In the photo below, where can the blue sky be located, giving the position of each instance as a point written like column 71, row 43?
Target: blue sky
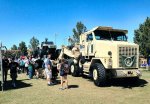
column 20, row 20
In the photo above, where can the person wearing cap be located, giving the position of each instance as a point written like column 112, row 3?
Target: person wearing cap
column 26, row 61
column 5, row 65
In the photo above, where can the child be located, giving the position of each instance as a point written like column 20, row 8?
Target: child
column 63, row 69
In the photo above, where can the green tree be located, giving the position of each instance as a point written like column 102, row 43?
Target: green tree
column 34, row 42
column 22, row 47
column 14, row 47
column 141, row 37
column 80, row 28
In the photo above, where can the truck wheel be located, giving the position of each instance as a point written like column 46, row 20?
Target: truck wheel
column 74, row 70
column 82, row 60
column 80, row 65
column 99, row 74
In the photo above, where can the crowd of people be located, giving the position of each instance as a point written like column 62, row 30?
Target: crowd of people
column 36, row 67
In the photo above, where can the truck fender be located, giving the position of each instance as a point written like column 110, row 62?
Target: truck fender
column 93, row 62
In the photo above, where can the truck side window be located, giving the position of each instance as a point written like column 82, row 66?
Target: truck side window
column 89, row 37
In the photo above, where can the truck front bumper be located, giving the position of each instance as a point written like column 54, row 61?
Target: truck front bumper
column 126, row 73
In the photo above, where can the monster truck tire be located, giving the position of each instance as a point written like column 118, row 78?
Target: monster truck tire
column 74, row 70
column 99, row 75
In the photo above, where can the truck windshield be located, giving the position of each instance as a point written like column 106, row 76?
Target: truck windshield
column 110, row 35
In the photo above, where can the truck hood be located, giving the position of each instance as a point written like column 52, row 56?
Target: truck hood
column 116, row 47
column 113, row 46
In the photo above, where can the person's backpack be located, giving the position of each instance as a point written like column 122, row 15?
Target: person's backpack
column 66, row 68
column 22, row 63
column 36, row 65
column 62, row 71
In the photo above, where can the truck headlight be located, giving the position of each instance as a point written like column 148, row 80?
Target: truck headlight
column 109, row 63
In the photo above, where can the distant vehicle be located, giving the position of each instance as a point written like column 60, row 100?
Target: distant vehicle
column 48, row 47
column 143, row 65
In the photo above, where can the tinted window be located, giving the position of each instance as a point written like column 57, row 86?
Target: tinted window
column 110, row 35
column 89, row 37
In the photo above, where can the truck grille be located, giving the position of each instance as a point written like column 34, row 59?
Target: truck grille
column 127, row 57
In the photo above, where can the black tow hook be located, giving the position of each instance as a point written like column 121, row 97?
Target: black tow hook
column 130, row 72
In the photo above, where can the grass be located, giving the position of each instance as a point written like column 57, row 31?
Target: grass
column 82, row 91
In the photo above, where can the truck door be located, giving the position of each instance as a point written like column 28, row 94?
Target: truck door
column 90, row 44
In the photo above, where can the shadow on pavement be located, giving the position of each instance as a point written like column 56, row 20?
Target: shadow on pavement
column 19, row 84
column 73, row 86
column 56, row 82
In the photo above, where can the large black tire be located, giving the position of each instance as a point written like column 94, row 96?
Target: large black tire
column 80, row 67
column 82, row 60
column 74, row 70
column 99, row 74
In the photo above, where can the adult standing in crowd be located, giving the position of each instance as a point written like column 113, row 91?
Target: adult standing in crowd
column 38, row 67
column 13, row 71
column 48, row 70
column 30, row 70
column 26, row 61
column 5, row 65
column 22, row 65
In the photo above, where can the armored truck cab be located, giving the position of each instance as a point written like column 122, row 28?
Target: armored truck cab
column 106, row 53
column 48, row 47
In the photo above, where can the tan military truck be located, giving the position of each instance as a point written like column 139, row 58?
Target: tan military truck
column 106, row 53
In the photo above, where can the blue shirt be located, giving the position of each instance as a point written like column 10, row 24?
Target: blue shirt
column 47, row 62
